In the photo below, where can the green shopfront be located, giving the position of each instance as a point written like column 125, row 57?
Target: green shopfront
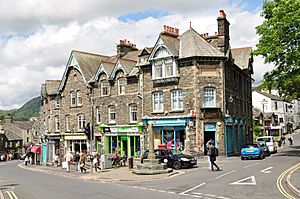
column 122, row 138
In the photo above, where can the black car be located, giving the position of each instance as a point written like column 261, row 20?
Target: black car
column 172, row 160
column 265, row 148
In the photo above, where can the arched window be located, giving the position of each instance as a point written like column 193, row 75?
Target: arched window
column 73, row 98
column 209, row 98
column 163, row 64
column 121, row 86
column 79, row 98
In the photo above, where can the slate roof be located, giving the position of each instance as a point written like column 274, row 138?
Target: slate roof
column 88, row 63
column 271, row 96
column 256, row 112
column 25, row 125
column 172, row 43
column 12, row 136
column 127, row 64
column 133, row 55
column 242, row 56
column 192, row 44
column 108, row 66
column 51, row 86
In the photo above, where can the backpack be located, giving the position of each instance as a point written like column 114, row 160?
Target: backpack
column 216, row 151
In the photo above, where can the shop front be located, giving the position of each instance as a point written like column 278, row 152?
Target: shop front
column 121, row 139
column 169, row 132
column 75, row 143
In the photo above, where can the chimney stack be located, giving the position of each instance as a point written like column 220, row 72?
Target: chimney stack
column 171, row 31
column 124, row 47
column 223, row 32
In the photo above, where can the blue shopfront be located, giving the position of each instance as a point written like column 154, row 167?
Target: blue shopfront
column 169, row 132
column 234, row 135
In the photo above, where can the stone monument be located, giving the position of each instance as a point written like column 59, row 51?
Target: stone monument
column 151, row 165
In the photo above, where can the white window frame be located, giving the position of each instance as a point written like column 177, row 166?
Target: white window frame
column 176, row 100
column 79, row 98
column 68, row 123
column 158, row 102
column 105, row 88
column 57, row 102
column 81, row 121
column 73, row 98
column 133, row 113
column 56, row 120
column 98, row 115
column 121, row 86
column 209, row 97
column 112, row 114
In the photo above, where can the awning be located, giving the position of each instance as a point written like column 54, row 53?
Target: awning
column 36, row 149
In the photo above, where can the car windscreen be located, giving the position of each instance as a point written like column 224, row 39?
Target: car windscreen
column 250, row 146
column 264, row 139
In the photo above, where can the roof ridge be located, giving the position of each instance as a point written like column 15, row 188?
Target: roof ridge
column 88, row 53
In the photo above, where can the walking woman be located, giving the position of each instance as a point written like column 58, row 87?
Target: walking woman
column 213, row 153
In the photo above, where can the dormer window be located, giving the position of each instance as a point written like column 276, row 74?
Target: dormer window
column 163, row 64
column 105, row 90
column 121, row 86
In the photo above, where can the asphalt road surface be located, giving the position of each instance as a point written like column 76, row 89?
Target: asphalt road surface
column 237, row 179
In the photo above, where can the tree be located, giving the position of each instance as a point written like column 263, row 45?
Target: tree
column 279, row 44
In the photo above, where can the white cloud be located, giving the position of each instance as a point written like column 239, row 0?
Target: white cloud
column 36, row 37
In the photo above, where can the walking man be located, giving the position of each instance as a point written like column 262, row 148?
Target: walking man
column 69, row 158
column 213, row 153
column 208, row 143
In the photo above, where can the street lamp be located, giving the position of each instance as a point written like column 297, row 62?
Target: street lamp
column 263, row 102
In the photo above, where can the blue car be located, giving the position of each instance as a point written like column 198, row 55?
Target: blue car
column 252, row 151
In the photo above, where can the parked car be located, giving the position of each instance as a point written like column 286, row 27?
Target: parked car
column 172, row 160
column 253, row 150
column 264, row 146
column 270, row 142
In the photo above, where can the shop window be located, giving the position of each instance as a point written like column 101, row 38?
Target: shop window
column 133, row 113
column 177, row 100
column 158, row 102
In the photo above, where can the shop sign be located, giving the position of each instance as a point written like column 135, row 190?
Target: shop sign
column 125, row 129
column 210, row 127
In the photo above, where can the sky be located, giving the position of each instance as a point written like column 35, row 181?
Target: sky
column 37, row 37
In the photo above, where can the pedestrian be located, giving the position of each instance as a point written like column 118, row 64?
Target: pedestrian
column 69, row 158
column 291, row 140
column 82, row 163
column 124, row 158
column 26, row 160
column 213, row 153
column 77, row 160
column 282, row 140
column 208, row 143
column 96, row 162
column 56, row 158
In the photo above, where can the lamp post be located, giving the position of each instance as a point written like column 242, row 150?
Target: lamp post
column 263, row 102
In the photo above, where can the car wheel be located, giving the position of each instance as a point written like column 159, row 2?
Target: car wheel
column 176, row 165
column 242, row 158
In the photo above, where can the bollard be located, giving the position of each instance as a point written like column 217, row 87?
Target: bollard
column 130, row 163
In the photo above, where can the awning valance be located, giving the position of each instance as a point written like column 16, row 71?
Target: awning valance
column 36, row 149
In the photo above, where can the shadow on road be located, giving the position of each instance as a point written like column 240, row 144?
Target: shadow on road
column 290, row 151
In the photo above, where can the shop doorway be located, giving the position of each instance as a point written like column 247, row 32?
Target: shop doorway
column 207, row 136
column 124, row 146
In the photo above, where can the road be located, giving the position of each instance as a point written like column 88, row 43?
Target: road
column 238, row 179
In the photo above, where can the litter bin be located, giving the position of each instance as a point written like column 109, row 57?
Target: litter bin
column 130, row 163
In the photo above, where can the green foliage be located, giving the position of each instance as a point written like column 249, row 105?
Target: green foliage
column 256, row 129
column 279, row 44
column 28, row 110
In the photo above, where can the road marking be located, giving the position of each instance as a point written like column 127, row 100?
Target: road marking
column 202, row 195
column 11, row 195
column 183, row 193
column 251, row 165
column 1, row 195
column 242, row 181
column 281, row 177
column 266, row 170
column 220, row 176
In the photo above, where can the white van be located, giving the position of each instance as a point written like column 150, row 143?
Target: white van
column 270, row 142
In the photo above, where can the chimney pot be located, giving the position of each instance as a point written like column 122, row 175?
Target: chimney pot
column 222, row 14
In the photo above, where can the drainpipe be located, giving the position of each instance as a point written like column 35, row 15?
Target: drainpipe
column 224, row 110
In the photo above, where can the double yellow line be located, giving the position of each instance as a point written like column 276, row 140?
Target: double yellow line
column 280, row 179
column 11, row 194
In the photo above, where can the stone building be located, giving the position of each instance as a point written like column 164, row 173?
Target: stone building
column 196, row 88
column 190, row 87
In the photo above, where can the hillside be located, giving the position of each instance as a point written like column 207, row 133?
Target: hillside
column 28, row 110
